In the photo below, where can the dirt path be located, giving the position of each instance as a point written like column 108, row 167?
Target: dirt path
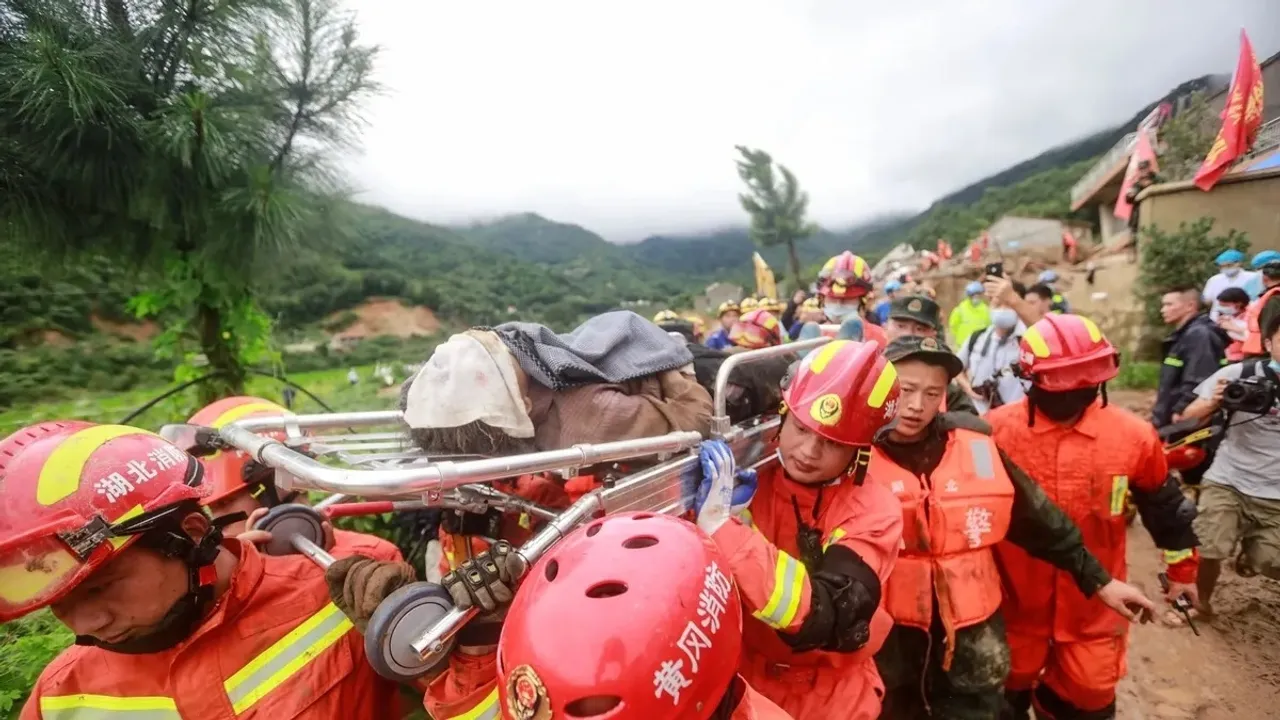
column 1230, row 672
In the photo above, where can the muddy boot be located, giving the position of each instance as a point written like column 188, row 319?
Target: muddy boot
column 1050, row 706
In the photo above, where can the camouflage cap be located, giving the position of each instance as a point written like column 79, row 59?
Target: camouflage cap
column 926, row 349
column 918, row 308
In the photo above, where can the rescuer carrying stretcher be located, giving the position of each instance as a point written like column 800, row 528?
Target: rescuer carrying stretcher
column 103, row 525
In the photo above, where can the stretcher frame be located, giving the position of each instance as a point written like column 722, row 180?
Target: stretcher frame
column 382, row 466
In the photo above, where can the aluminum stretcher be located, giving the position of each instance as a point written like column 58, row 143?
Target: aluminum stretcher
column 413, row 628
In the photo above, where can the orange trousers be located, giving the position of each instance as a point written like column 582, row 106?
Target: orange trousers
column 1083, row 673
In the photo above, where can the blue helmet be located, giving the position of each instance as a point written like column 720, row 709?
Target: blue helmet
column 1229, row 256
column 892, row 286
column 1265, row 258
column 973, row 288
column 1048, row 276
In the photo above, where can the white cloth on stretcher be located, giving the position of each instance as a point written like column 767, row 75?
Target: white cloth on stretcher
column 471, row 377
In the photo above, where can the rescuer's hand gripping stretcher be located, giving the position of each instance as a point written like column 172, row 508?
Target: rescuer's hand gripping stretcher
column 366, row 455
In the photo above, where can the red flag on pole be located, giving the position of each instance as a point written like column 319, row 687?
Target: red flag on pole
column 1241, row 118
column 1141, row 151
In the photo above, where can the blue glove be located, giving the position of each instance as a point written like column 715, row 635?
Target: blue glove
column 715, row 490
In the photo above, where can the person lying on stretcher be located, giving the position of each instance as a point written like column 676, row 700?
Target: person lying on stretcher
column 519, row 389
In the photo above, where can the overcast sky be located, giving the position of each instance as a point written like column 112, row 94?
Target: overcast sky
column 622, row 116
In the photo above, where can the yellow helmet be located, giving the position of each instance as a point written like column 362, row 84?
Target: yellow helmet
column 666, row 316
column 699, row 327
column 727, row 307
column 813, row 303
column 748, row 304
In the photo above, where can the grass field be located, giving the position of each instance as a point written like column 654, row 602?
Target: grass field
column 330, row 386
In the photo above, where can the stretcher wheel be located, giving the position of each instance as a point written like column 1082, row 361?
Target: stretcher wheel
column 285, row 521
column 403, row 617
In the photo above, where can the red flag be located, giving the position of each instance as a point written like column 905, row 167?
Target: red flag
column 1241, row 118
column 1142, row 151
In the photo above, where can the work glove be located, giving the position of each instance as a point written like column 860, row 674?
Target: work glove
column 715, row 490
column 357, row 584
column 485, row 582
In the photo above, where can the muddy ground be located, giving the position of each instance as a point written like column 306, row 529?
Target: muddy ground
column 1230, row 672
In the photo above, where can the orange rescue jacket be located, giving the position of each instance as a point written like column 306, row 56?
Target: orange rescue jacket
column 951, row 522
column 347, row 543
column 774, row 583
column 274, row 647
column 1252, row 316
column 1087, row 470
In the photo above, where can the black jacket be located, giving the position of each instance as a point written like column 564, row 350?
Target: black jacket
column 1192, row 353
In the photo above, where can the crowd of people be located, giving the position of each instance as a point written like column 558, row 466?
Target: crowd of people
column 941, row 533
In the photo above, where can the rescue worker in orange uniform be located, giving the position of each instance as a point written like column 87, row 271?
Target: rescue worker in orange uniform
column 844, row 284
column 240, row 486
column 946, row 656
column 633, row 615
column 103, row 525
column 816, row 544
column 1259, row 312
column 756, row 329
column 1068, row 650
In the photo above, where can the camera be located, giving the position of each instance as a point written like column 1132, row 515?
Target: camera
column 1255, row 395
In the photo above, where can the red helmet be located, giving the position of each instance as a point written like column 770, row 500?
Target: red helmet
column 757, row 329
column 1185, row 457
column 844, row 277
column 1066, row 352
column 68, row 491
column 226, row 472
column 845, row 391
column 636, row 612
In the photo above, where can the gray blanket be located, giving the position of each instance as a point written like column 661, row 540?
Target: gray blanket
column 611, row 348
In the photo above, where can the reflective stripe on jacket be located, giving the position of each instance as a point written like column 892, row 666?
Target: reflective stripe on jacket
column 950, row 524
column 274, row 647
column 1252, row 316
column 776, row 589
column 1086, row 469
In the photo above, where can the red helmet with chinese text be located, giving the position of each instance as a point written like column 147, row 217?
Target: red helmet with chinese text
column 632, row 617
column 1066, row 352
column 73, row 495
column 844, row 391
column 757, row 329
column 844, row 277
column 229, row 471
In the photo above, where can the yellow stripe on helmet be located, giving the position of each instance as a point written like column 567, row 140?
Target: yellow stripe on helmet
column 824, row 355
column 241, row 411
column 1094, row 333
column 60, row 476
column 1035, row 341
column 884, row 383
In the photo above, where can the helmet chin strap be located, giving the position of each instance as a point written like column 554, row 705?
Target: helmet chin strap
column 185, row 615
column 857, row 467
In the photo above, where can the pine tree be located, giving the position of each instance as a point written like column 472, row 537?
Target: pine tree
column 777, row 207
column 186, row 138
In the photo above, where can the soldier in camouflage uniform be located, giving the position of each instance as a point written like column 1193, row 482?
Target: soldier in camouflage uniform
column 946, row 656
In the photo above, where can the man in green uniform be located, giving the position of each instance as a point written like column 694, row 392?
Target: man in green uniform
column 918, row 315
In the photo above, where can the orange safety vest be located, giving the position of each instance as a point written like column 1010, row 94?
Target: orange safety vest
column 950, row 524
column 1252, row 314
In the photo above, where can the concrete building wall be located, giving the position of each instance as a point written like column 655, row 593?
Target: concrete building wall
column 1248, row 203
